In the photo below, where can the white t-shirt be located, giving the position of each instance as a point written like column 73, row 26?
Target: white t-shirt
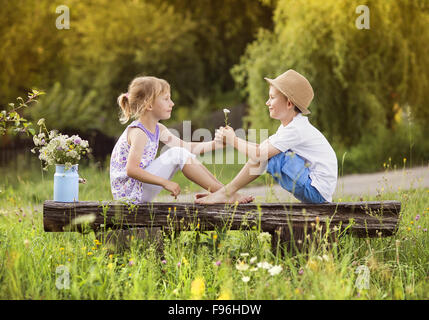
column 305, row 140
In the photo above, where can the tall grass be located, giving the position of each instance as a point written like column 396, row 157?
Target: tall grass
column 198, row 265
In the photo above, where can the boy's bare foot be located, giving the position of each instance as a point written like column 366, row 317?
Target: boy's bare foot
column 221, row 197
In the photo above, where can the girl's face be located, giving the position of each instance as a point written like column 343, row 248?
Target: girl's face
column 278, row 105
column 163, row 106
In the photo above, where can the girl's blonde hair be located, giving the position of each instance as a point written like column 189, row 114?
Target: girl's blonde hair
column 142, row 92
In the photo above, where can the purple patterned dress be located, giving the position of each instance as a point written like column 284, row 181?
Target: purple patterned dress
column 124, row 187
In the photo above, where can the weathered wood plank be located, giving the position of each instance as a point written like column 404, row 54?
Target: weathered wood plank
column 370, row 218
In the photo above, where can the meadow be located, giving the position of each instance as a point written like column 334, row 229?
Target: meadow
column 195, row 265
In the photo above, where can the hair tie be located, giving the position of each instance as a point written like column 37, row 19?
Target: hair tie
column 127, row 94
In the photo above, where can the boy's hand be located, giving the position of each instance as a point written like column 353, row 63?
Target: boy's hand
column 226, row 134
column 173, row 187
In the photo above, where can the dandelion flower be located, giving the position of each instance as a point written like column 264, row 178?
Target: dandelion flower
column 224, row 295
column 198, row 288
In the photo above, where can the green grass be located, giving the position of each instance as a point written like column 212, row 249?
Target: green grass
column 29, row 257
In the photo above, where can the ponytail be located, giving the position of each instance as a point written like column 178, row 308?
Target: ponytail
column 124, row 103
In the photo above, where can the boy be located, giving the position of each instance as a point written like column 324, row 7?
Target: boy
column 298, row 156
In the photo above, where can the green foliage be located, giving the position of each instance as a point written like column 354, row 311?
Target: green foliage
column 29, row 256
column 31, row 51
column 72, row 109
column 188, row 43
column 357, row 75
column 12, row 122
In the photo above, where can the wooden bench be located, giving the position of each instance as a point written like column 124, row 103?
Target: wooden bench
column 287, row 222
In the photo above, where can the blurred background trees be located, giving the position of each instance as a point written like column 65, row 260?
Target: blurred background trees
column 371, row 86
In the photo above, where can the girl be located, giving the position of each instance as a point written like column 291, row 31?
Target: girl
column 135, row 174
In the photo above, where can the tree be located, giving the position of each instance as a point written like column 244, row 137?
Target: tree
column 357, row 75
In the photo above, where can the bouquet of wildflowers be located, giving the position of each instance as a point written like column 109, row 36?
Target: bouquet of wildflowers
column 56, row 148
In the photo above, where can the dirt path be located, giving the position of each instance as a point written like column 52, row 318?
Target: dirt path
column 354, row 185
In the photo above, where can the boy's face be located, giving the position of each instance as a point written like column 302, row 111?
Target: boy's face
column 163, row 106
column 279, row 106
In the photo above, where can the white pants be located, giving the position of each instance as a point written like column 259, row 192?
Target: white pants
column 165, row 166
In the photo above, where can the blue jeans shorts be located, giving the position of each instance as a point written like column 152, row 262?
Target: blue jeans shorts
column 292, row 173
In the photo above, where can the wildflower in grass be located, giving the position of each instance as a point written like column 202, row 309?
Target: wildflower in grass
column 90, row 253
column 164, row 261
column 131, row 263
column 253, row 269
column 176, row 292
column 179, row 264
column 425, row 229
column 26, row 243
column 417, row 217
column 242, row 266
column 253, row 260
column 130, row 274
column 218, row 263
column 301, row 271
column 275, row 270
column 110, row 256
column 225, row 112
column 110, row 266
column 245, row 279
column 264, row 236
column 408, row 229
column 185, row 262
column 245, row 254
column 214, row 236
column 198, row 288
column 225, row 295
column 264, row 265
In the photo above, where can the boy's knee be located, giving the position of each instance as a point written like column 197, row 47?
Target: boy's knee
column 257, row 167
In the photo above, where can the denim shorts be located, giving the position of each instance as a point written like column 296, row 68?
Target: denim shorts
column 292, row 173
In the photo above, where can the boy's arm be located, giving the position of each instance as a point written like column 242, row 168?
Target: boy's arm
column 256, row 152
column 138, row 141
column 195, row 147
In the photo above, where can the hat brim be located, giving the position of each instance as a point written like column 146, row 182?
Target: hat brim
column 304, row 111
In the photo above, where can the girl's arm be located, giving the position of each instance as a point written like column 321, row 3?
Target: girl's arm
column 138, row 140
column 256, row 152
column 195, row 147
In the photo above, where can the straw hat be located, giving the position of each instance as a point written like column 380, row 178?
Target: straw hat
column 296, row 87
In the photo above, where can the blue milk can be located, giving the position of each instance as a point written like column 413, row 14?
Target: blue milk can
column 66, row 183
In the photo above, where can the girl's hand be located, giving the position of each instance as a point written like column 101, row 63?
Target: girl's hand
column 219, row 138
column 173, row 187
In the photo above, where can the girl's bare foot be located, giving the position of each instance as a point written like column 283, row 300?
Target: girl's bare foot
column 220, row 196
column 246, row 199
